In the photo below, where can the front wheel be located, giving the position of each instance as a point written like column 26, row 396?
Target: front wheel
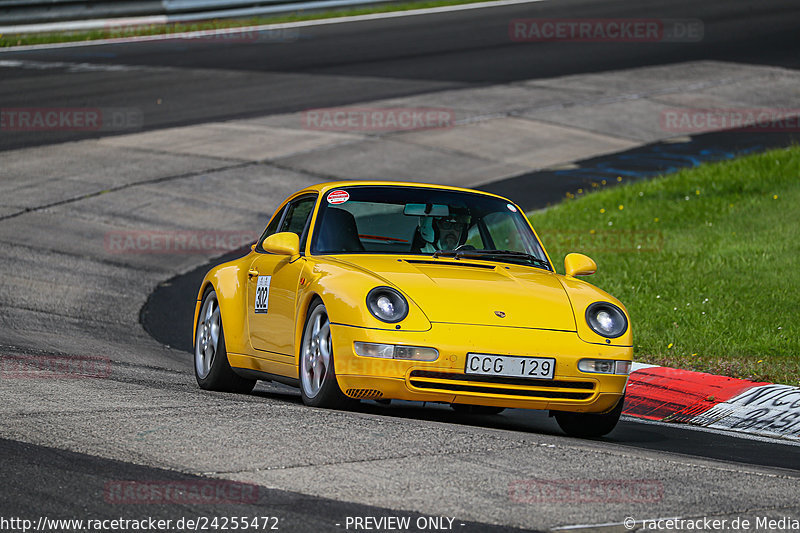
column 589, row 425
column 318, row 385
column 211, row 367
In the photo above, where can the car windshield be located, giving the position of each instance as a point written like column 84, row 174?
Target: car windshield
column 418, row 220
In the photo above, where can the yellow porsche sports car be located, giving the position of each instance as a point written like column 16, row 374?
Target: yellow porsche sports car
column 383, row 290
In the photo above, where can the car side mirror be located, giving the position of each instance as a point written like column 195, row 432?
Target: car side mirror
column 283, row 243
column 579, row 265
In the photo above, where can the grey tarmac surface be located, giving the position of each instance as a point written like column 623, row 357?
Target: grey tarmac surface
column 66, row 290
column 41, row 476
column 181, row 82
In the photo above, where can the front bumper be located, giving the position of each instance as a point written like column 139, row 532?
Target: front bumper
column 444, row 380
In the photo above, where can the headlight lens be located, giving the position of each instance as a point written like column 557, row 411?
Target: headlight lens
column 606, row 319
column 604, row 366
column 386, row 304
column 391, row 351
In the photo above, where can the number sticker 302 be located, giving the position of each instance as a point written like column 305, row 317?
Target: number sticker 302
column 262, row 294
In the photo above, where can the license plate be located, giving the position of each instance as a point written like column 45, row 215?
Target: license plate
column 510, row 366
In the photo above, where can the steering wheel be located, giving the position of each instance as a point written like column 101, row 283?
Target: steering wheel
column 464, row 247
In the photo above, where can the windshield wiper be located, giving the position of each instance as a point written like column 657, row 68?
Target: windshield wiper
column 481, row 254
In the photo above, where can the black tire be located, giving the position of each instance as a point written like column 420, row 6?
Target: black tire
column 589, row 425
column 466, row 409
column 211, row 367
column 318, row 384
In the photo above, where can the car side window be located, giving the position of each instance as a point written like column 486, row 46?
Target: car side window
column 297, row 215
column 293, row 217
column 272, row 227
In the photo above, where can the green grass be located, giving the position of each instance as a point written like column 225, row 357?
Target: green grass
column 9, row 40
column 714, row 286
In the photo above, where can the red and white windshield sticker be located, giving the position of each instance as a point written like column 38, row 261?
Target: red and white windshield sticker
column 338, row 197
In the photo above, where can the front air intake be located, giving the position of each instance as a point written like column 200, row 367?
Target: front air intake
column 556, row 389
column 364, row 394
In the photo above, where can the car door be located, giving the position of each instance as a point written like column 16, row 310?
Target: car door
column 272, row 287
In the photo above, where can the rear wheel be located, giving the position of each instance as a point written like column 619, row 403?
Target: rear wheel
column 318, row 385
column 211, row 367
column 588, row 425
column 463, row 408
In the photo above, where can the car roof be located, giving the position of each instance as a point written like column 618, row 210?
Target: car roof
column 324, row 187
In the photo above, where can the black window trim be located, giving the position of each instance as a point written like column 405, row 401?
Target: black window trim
column 284, row 210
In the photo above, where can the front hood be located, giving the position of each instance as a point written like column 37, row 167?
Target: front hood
column 477, row 292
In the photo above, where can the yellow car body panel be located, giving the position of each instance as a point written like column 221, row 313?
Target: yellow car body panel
column 458, row 307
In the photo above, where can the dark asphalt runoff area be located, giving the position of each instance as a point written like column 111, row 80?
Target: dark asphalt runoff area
column 341, row 64
column 55, row 484
column 179, row 82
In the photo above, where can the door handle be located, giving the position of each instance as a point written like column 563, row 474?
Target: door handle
column 252, row 272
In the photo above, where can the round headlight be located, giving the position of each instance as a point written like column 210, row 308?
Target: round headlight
column 606, row 319
column 387, row 304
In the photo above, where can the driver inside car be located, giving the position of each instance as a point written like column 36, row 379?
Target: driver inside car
column 439, row 233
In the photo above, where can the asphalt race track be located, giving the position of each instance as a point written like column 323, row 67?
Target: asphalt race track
column 343, row 64
column 63, row 443
column 173, row 303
